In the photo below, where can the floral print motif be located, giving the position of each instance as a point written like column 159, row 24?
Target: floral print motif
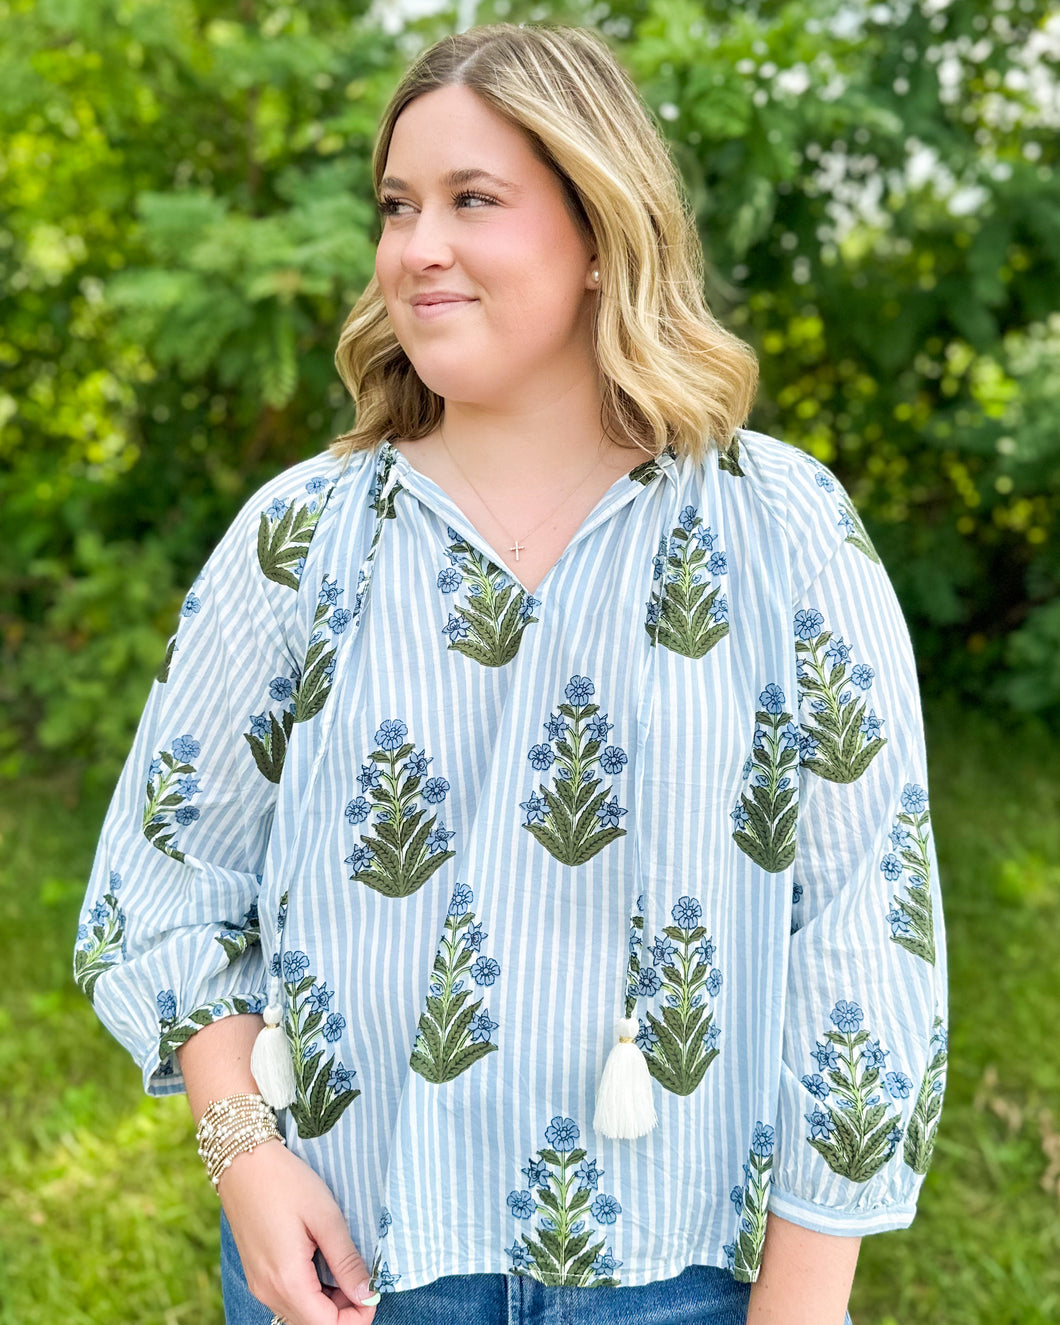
column 858, row 1135
column 406, row 847
column 572, row 819
column 236, row 939
column 766, row 814
column 910, row 916
column 924, row 1123
column 854, row 530
column 840, row 739
column 100, row 938
column 175, row 1030
column 680, row 1045
column 744, row 1253
column 285, row 530
column 729, row 458
column 453, row 1033
column 488, row 624
column 324, row 1086
column 649, row 470
column 687, row 615
column 566, row 1252
column 171, row 784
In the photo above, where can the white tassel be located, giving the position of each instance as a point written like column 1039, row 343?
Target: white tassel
column 624, row 1105
column 270, row 1059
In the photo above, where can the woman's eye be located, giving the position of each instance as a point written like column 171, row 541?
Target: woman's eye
column 388, row 206
column 474, row 200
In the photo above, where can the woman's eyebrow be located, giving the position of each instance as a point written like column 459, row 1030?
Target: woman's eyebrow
column 457, row 178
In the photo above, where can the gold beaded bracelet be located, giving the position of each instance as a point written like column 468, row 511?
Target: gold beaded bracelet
column 232, row 1126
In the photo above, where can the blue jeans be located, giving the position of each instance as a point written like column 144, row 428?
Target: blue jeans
column 700, row 1295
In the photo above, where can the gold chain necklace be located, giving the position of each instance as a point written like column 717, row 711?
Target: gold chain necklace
column 517, row 546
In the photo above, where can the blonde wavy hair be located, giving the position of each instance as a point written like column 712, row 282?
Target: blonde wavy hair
column 670, row 373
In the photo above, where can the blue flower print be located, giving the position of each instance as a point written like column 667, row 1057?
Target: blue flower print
column 541, row 757
column 536, row 1172
column 99, row 915
column 438, row 837
column 821, row 1125
column 705, row 952
column 368, row 777
column 333, row 1027
column 473, row 937
column 613, row 759
column 736, row 1197
column 167, row 1004
column 435, row 790
column 714, row 983
column 610, row 812
column 606, row 1264
column 646, row 1039
column 796, row 893
column 891, row 867
column 315, row 485
column 521, row 1258
column 281, row 688
column 384, row 1279
column 295, row 965
column 416, row 765
column 662, row 951
column 190, row 605
column 186, row 748
column 824, row 480
column 461, row 900
column 900, row 923
column 457, row 627
column 391, row 734
column 318, row 998
column 762, row 1140
column 808, row 624
column 339, row 620
column 837, row 652
column 481, row 1027
column 579, row 690
column 914, row 798
column 562, row 1133
column 739, row 816
column 340, row 1079
column 817, row 1086
column 772, row 699
column 825, row 1056
column 535, row 807
column 720, row 610
column 588, row 1175
column 360, row 858
column 847, row 1016
column 687, row 519
column 899, row 837
column 485, row 971
column 276, row 509
column 861, row 675
column 648, row 982
column 718, row 564
column 686, row 912
column 521, row 1204
column 329, row 593
column 449, row 580
column 187, row 786
column 598, row 727
column 871, row 726
column 873, row 1056
column 529, row 603
column 186, row 814
column 358, row 810
column 259, row 727
column 808, row 747
column 605, row 1209
column 897, row 1085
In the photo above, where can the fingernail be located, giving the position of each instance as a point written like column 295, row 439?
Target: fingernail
column 363, row 1297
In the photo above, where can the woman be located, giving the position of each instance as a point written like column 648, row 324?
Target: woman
column 549, row 701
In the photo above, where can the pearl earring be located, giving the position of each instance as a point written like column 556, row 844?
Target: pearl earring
column 596, row 275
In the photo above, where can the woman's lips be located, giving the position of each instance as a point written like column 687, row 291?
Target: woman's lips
column 427, row 308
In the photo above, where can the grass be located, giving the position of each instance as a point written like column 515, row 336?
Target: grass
column 106, row 1217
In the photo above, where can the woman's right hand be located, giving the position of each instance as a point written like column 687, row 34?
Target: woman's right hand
column 281, row 1212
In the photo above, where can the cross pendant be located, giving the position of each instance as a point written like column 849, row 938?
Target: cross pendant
column 519, row 547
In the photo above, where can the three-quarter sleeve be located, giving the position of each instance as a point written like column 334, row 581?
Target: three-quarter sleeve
column 864, row 1050
column 168, row 939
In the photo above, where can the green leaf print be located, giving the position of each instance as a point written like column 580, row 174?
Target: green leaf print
column 270, row 747
column 687, row 615
column 175, row 1031
column 840, row 738
column 924, row 1123
column 489, row 621
column 573, row 819
column 236, row 939
column 680, row 1044
column 162, row 675
column 566, row 1252
column 646, row 472
column 100, row 939
column 406, row 846
column 911, row 919
column 729, row 458
column 858, row 1135
column 766, row 814
column 324, row 1085
column 744, row 1254
column 856, row 533
column 285, row 531
column 314, row 684
column 171, row 783
column 454, row 1033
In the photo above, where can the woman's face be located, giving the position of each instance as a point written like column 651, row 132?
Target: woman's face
column 486, row 276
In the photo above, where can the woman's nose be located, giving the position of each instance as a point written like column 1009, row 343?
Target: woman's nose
column 428, row 242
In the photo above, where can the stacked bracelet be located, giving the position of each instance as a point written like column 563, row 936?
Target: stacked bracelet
column 231, row 1126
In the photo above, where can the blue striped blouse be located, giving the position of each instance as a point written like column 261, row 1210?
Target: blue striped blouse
column 469, row 827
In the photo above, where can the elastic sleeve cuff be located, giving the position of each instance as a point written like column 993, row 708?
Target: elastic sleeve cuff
column 840, row 1223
